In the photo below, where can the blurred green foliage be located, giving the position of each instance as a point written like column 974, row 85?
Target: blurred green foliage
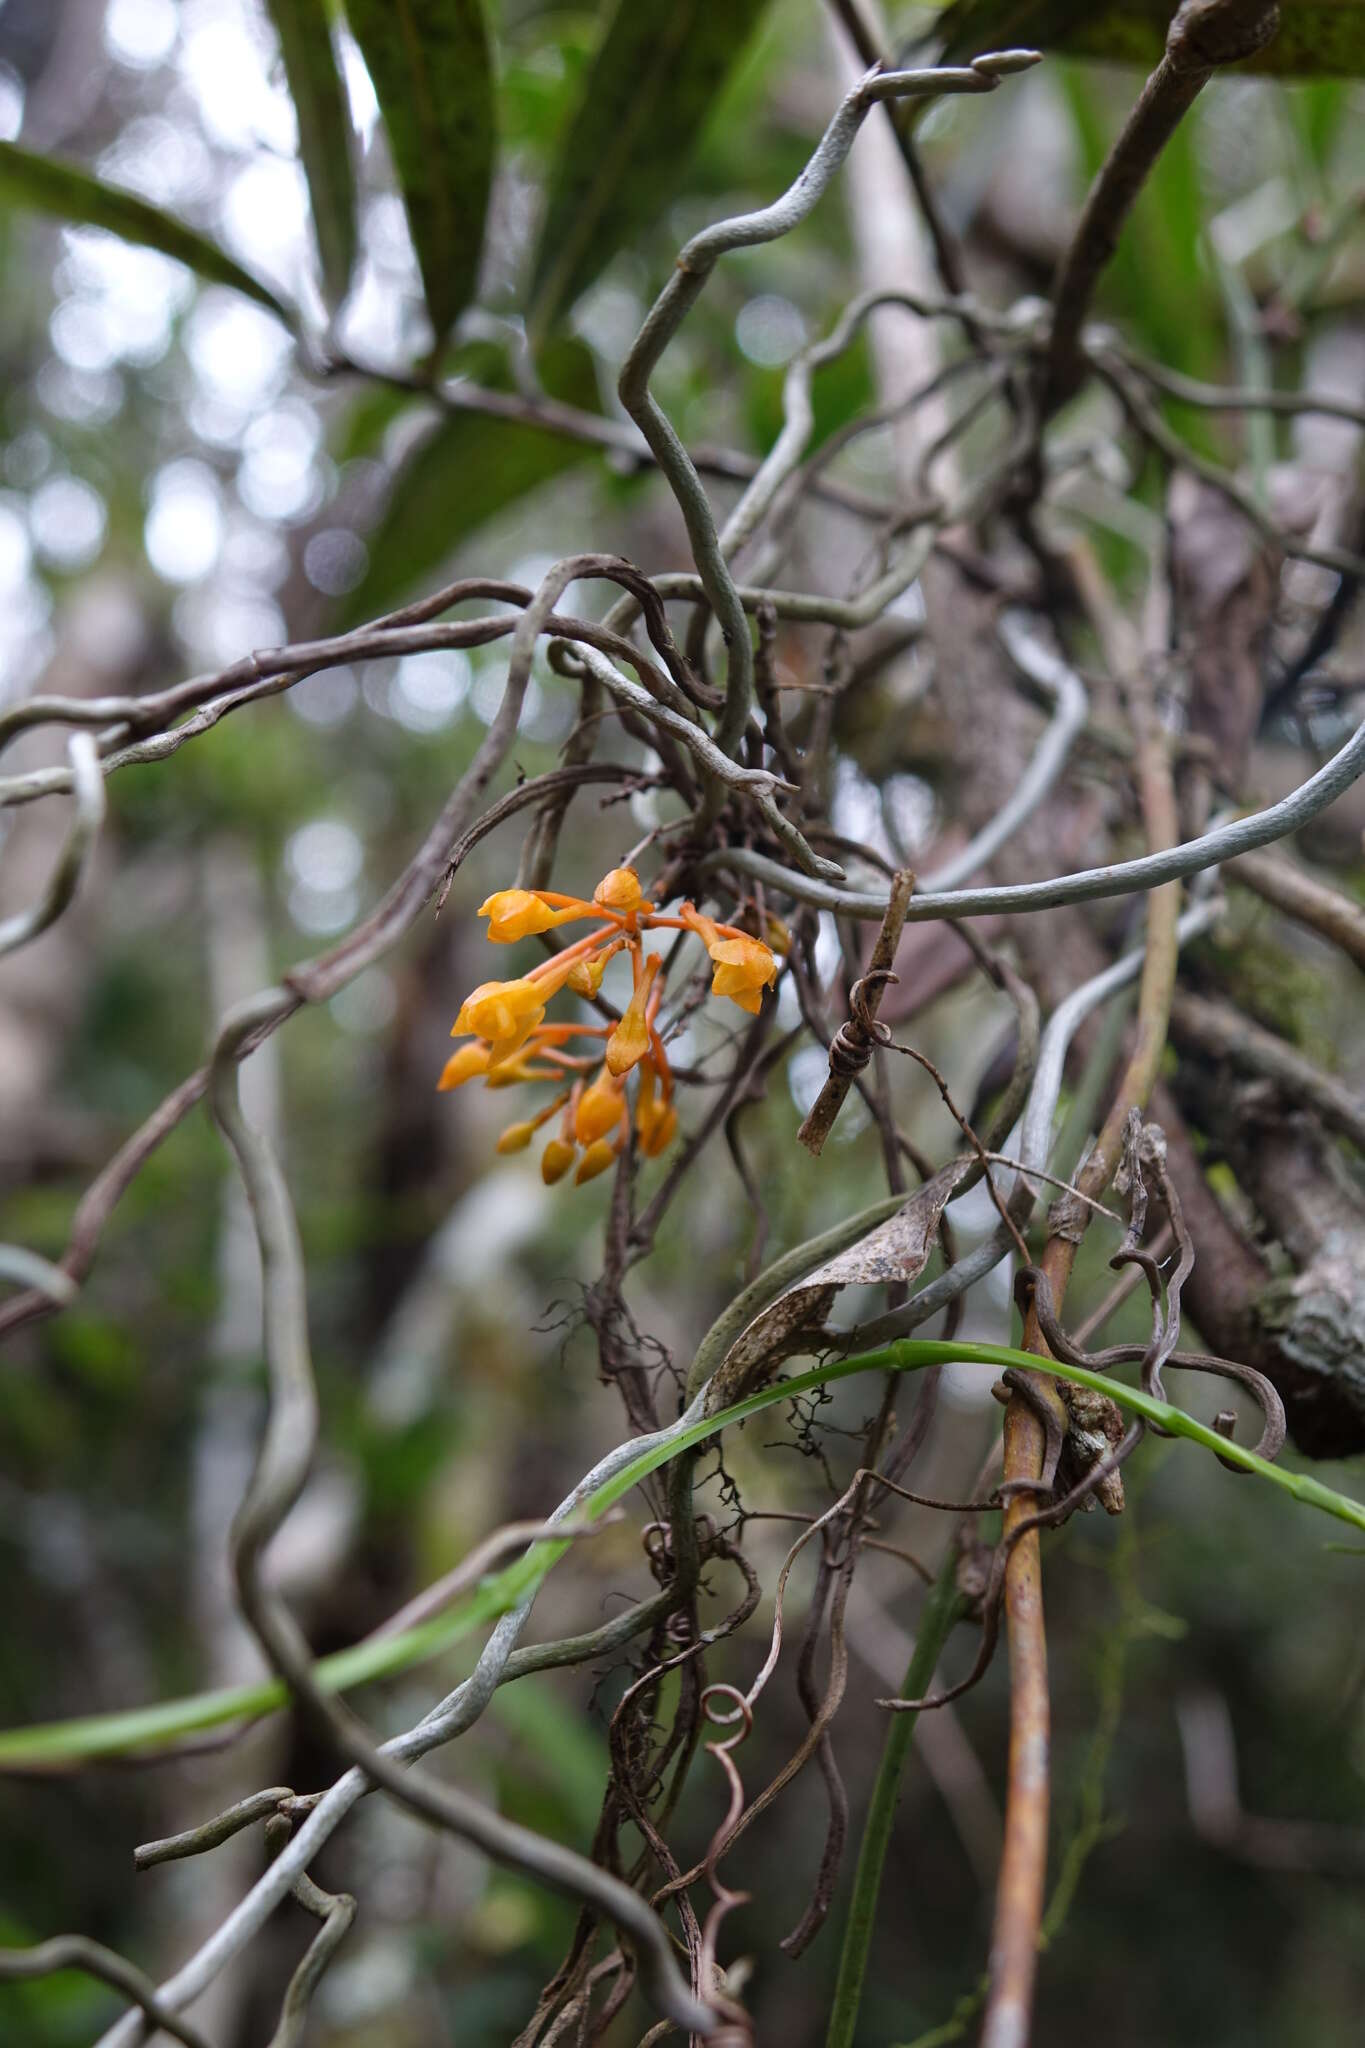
column 127, row 1417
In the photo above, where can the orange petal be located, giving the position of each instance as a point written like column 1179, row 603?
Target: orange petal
column 747, row 957
column 503, row 1012
column 463, row 1065
column 750, row 999
column 743, row 969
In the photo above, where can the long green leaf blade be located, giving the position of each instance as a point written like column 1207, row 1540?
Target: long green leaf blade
column 379, row 1656
column 644, row 101
column 326, row 141
column 431, row 68
column 47, row 185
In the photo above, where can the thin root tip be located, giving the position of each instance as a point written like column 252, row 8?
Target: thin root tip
column 1003, row 63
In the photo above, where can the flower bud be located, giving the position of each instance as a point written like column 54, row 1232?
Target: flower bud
column 663, row 1129
column 518, row 914
column 556, row 1160
column 619, row 890
column 599, row 1109
column 656, row 1120
column 595, row 1160
column 586, row 976
column 629, row 1042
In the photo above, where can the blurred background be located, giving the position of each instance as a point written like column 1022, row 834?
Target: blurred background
column 178, row 488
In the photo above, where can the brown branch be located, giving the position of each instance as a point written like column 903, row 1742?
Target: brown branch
column 1023, row 1860
column 1301, row 896
column 613, row 437
column 1023, row 1867
column 1219, row 1818
column 865, row 35
column 852, row 1047
column 1222, row 1034
column 75, row 1952
column 1204, row 35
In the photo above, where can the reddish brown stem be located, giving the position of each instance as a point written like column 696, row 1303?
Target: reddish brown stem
column 1023, row 1867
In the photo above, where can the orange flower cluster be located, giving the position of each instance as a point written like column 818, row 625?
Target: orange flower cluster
column 510, row 1041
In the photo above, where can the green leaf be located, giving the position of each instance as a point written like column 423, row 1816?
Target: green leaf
column 431, row 68
column 381, row 1656
column 644, row 101
column 465, row 471
column 325, row 136
column 1324, row 37
column 46, row 185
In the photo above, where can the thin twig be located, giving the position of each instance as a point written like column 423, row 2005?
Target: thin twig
column 1023, row 1868
column 1204, row 35
column 1302, row 896
column 74, row 859
column 1122, row 878
column 694, row 265
column 854, row 1041
column 75, row 1952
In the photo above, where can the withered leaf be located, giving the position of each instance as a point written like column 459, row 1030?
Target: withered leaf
column 897, row 1250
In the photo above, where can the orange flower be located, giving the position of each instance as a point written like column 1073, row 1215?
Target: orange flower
column 507, row 1012
column 513, row 1043
column 620, row 890
column 599, row 1109
column 629, row 1042
column 519, row 913
column 744, row 968
column 503, row 1012
column 463, row 1065
column 595, row 1160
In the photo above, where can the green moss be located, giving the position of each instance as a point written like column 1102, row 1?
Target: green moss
column 1286, row 995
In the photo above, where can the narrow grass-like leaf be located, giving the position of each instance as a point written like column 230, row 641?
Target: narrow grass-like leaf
column 431, row 68
column 66, row 1742
column 326, row 141
column 47, row 185
column 644, row 100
